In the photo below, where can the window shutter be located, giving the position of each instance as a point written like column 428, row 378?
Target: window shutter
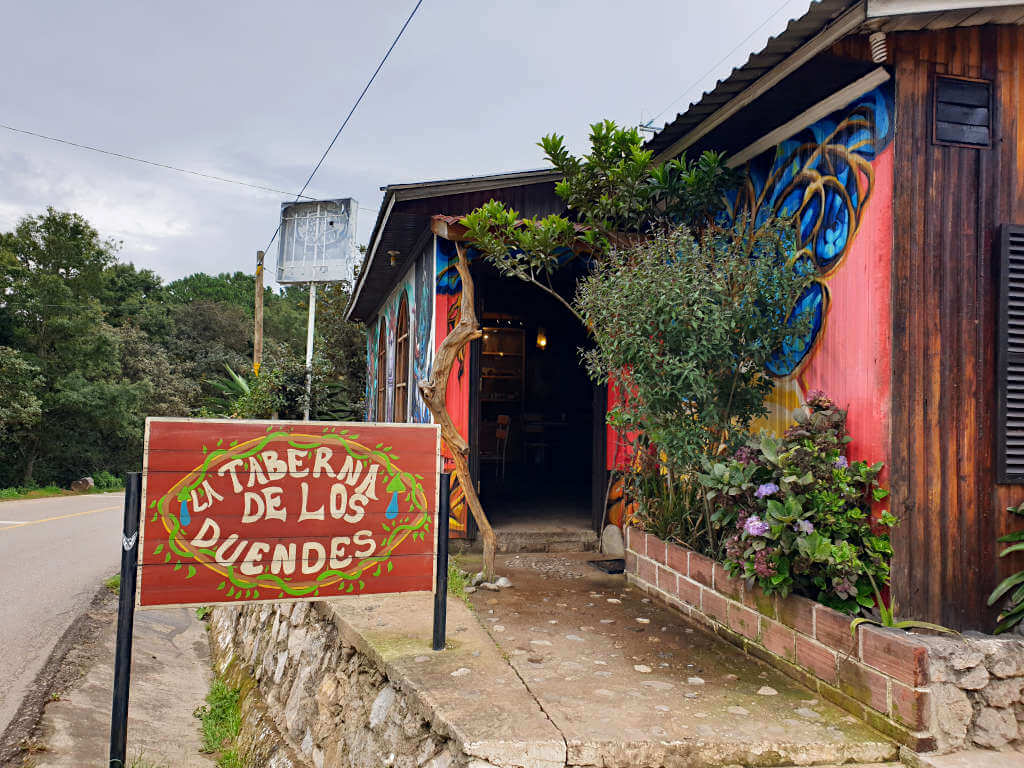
column 1010, row 434
column 962, row 112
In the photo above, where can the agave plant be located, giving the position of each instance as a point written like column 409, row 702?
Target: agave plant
column 887, row 617
column 1014, row 610
column 228, row 389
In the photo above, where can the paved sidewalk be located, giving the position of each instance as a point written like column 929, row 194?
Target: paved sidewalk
column 626, row 682
column 170, row 678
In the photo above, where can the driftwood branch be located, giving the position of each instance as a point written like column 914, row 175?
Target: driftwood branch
column 434, row 391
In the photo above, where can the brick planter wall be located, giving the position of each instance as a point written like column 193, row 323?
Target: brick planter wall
column 880, row 675
column 928, row 692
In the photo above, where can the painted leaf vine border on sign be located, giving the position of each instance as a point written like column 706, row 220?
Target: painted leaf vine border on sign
column 415, row 523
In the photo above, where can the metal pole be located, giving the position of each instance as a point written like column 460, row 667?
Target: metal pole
column 125, row 620
column 310, row 325
column 257, row 334
column 441, row 587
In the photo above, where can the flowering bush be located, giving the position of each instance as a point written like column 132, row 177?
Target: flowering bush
column 796, row 512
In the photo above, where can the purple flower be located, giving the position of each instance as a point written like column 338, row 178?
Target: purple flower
column 762, row 567
column 804, row 526
column 755, row 526
column 842, row 463
column 766, row 489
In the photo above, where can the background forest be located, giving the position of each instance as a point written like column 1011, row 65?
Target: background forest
column 90, row 346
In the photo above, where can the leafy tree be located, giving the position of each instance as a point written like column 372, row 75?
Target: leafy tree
column 614, row 194
column 683, row 328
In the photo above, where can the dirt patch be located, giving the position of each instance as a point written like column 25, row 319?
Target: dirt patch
column 75, row 652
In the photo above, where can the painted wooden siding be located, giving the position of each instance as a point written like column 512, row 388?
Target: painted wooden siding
column 949, row 202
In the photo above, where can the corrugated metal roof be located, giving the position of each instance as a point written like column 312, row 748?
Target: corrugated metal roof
column 799, row 31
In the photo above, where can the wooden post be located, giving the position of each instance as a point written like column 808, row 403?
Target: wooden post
column 257, row 334
column 434, row 392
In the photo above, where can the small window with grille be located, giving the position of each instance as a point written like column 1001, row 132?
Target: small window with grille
column 962, row 112
column 1010, row 355
column 382, row 369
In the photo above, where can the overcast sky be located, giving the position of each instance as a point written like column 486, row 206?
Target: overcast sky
column 255, row 91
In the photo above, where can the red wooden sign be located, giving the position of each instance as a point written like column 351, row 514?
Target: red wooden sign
column 253, row 511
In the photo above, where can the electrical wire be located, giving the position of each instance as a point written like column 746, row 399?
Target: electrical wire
column 349, row 115
column 720, row 62
column 150, row 162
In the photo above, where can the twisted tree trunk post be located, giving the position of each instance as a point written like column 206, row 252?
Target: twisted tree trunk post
column 434, row 391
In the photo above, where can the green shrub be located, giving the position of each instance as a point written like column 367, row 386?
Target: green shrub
column 105, row 481
column 683, row 328
column 797, row 513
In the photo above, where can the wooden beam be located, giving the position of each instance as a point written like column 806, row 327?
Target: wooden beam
column 823, row 108
column 837, row 30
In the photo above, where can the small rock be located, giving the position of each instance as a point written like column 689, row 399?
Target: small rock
column 503, row 582
column 767, row 690
column 607, row 621
column 489, row 586
column 695, row 681
column 535, row 659
column 700, row 714
column 499, row 628
column 642, row 668
column 540, row 642
column 662, row 708
column 421, row 659
column 469, row 590
column 460, row 672
column 552, row 621
column 810, row 714
column 658, row 685
column 731, row 677
column 614, row 600
column 604, row 692
column 690, row 695
column 740, row 711
column 994, row 727
column 577, row 638
column 611, row 541
column 83, row 484
column 643, row 620
column 477, row 579
column 645, row 600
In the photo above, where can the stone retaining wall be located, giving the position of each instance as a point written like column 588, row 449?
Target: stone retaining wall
column 929, row 693
column 332, row 706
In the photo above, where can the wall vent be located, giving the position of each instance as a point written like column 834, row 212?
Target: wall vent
column 1010, row 355
column 962, row 112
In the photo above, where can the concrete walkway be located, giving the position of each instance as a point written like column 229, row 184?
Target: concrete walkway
column 170, row 678
column 627, row 683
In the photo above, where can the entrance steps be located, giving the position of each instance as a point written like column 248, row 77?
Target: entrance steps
column 515, row 539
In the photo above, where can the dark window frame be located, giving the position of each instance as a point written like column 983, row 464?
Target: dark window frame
column 402, row 349
column 382, row 369
column 936, row 77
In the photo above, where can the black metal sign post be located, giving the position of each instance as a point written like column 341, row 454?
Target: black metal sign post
column 125, row 620
column 441, row 590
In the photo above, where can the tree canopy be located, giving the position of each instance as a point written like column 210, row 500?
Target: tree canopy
column 90, row 346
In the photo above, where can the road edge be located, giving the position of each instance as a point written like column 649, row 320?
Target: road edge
column 54, row 674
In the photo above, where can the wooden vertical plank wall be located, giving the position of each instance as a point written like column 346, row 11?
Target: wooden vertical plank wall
column 948, row 204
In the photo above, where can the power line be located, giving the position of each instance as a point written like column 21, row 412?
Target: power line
column 350, row 113
column 720, row 62
column 150, row 162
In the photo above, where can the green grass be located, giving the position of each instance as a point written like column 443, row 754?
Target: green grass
column 46, row 491
column 220, row 721
column 114, row 583
column 458, row 580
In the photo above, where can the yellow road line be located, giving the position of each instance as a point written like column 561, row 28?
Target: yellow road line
column 58, row 517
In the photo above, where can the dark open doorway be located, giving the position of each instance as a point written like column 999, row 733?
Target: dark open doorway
column 533, row 409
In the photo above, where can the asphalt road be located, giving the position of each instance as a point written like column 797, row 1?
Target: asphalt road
column 54, row 553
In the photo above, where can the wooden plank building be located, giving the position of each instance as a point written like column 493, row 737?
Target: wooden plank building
column 894, row 130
